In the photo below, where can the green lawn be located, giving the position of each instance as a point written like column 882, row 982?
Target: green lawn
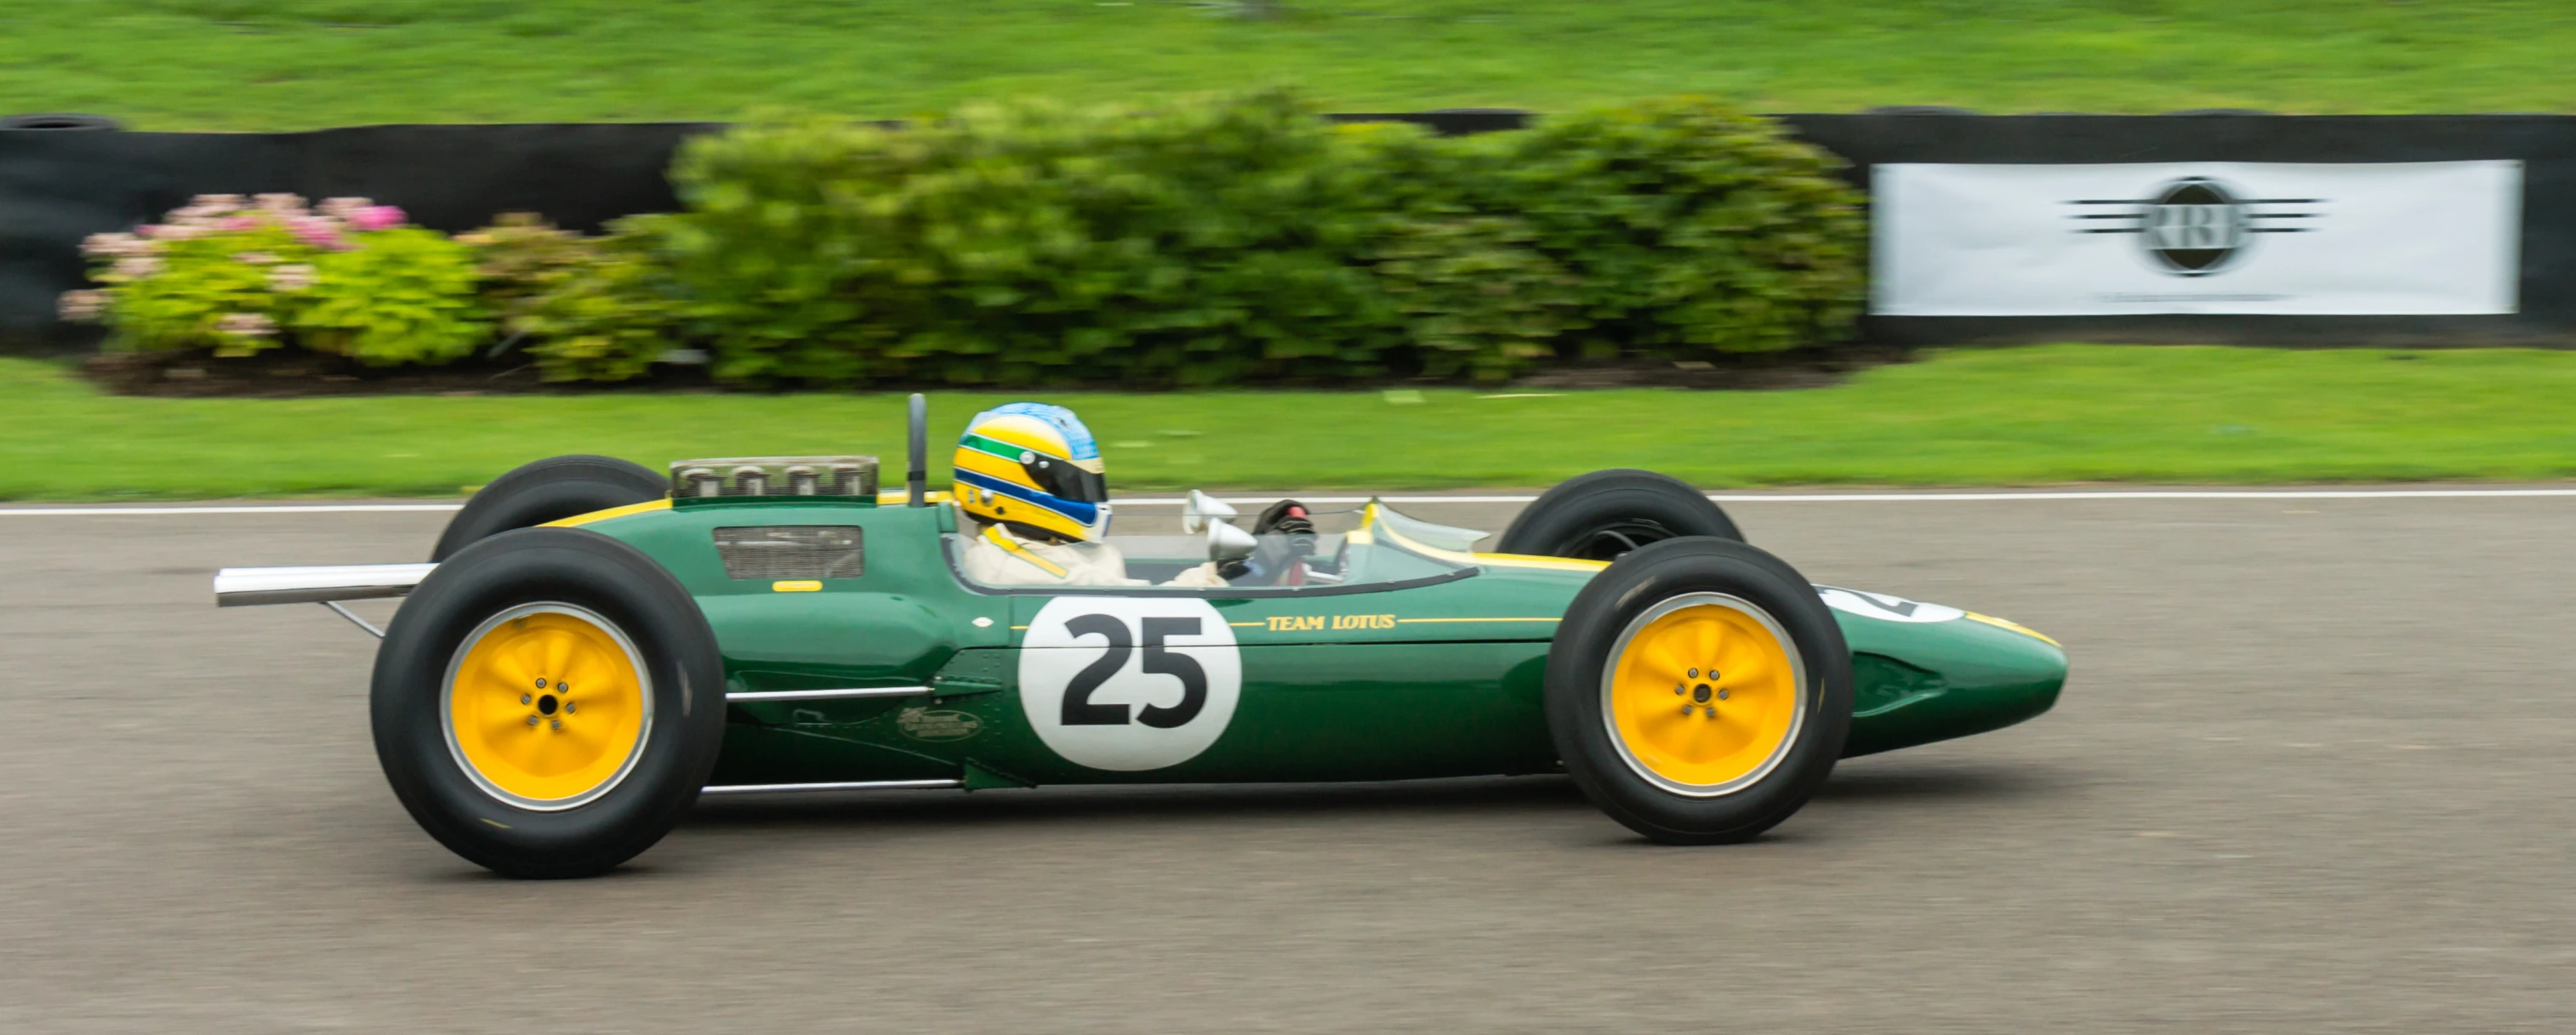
column 292, row 64
column 2053, row 414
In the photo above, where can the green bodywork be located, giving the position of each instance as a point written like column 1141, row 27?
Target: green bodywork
column 1440, row 679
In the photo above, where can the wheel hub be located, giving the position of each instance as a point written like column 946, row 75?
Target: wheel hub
column 541, row 749
column 1707, row 649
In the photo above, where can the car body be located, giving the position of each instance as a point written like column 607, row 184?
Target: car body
column 909, row 674
column 855, row 652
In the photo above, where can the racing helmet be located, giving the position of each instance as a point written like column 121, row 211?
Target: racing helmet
column 1033, row 466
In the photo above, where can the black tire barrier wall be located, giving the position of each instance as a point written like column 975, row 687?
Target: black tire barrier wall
column 58, row 186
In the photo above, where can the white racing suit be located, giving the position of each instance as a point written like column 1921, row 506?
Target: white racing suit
column 995, row 557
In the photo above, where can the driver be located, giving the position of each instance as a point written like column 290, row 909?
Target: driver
column 1030, row 476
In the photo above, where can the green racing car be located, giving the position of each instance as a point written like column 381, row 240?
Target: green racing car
column 595, row 645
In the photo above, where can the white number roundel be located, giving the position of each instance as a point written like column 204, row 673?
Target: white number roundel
column 1129, row 683
column 1885, row 608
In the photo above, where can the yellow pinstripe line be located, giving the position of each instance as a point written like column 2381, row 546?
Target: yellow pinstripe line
column 578, row 520
column 1401, row 621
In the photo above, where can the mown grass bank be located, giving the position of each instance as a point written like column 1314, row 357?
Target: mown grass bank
column 2053, row 414
column 302, row 64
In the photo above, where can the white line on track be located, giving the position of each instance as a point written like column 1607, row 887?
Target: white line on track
column 110, row 509
column 115, row 510
column 1911, row 497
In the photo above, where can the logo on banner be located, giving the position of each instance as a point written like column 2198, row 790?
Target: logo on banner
column 2195, row 226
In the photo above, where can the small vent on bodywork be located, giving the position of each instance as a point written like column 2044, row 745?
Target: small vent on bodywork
column 790, row 552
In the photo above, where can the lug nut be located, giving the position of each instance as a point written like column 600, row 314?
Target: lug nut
column 523, row 698
column 569, row 709
column 532, row 720
column 559, row 722
column 1721, row 695
column 541, row 682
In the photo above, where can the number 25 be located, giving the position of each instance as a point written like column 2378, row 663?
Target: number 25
column 1078, row 709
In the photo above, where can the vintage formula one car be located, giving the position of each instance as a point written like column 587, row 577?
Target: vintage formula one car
column 595, row 645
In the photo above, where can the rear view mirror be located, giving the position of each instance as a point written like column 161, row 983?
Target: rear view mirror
column 1201, row 507
column 1228, row 543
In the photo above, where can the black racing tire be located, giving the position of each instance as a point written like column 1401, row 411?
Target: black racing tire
column 551, row 489
column 1588, row 699
column 1601, row 515
column 678, row 706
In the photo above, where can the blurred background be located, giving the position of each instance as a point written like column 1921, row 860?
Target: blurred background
column 2224, row 342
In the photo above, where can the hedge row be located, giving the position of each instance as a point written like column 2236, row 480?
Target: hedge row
column 1219, row 241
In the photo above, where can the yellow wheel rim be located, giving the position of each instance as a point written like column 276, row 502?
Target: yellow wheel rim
column 1703, row 694
column 547, row 706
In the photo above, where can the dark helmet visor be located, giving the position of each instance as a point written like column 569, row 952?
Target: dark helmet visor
column 1062, row 480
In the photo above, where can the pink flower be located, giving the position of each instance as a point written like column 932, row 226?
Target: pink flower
column 283, row 204
column 249, row 325
column 318, row 232
column 238, row 223
column 99, row 246
column 180, row 232
column 343, row 208
column 290, row 278
column 218, row 202
column 376, row 217
column 137, row 266
column 81, row 305
column 254, row 258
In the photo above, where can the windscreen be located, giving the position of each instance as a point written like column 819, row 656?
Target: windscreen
column 1367, row 545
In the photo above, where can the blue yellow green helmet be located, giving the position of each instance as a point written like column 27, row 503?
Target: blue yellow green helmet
column 1035, row 466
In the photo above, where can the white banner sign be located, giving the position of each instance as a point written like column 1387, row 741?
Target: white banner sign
column 2218, row 237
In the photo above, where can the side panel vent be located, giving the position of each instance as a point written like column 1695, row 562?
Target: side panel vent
column 791, row 552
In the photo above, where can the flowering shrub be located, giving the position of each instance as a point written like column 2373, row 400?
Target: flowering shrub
column 589, row 308
column 1188, row 242
column 239, row 276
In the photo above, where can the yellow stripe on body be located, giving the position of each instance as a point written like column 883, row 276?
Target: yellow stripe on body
column 2006, row 623
column 578, row 520
column 1489, row 560
column 1522, row 560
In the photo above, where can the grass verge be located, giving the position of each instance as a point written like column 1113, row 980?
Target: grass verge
column 301, row 64
column 2050, row 414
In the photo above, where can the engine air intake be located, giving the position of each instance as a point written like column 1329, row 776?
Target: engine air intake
column 731, row 477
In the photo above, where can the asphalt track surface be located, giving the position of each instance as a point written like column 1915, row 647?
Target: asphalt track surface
column 2313, row 773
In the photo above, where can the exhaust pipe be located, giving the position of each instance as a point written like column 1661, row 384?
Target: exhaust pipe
column 916, row 478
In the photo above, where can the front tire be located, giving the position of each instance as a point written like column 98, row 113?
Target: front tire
column 548, row 702
column 1601, row 515
column 551, row 489
column 1699, row 691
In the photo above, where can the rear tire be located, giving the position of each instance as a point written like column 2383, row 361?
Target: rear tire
column 1744, row 726
column 591, row 774
column 546, row 490
column 1602, row 515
